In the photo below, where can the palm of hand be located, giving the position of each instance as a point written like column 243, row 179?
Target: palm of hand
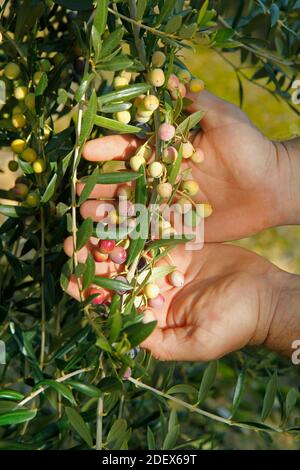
column 217, row 311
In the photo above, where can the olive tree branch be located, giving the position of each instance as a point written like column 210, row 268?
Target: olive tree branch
column 60, row 379
column 199, row 411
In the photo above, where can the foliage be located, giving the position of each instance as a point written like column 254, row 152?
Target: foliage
column 66, row 359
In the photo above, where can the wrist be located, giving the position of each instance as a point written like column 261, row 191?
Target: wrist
column 287, row 184
column 284, row 318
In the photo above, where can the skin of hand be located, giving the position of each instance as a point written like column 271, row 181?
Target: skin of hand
column 231, row 297
column 242, row 299
column 249, row 180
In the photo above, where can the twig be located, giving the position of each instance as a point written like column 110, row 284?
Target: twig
column 43, row 308
column 60, row 379
column 199, row 411
column 99, row 432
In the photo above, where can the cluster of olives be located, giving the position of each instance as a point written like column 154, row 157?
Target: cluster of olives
column 141, row 111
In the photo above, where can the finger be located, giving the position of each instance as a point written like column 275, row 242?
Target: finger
column 110, row 147
column 102, row 190
column 73, row 290
column 173, row 344
column 96, row 210
column 217, row 111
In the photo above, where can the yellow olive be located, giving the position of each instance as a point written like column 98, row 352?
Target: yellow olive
column 36, row 77
column 30, row 101
column 156, row 77
column 151, row 102
column 158, row 59
column 12, row 71
column 18, row 120
column 123, row 116
column 151, row 290
column 20, row 92
column 39, row 166
column 136, row 162
column 120, row 82
column 18, row 145
column 29, row 155
column 155, row 169
column 196, row 85
column 190, row 187
column 32, row 199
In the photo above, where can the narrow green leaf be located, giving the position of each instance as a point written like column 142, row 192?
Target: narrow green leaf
column 176, row 167
column 159, row 272
column 168, row 242
column 16, row 417
column 79, row 425
column 89, row 272
column 86, row 389
column 291, row 400
column 114, row 125
column 84, row 232
column 100, row 17
column 125, row 94
column 137, row 333
column 150, row 439
column 182, row 388
column 202, row 12
column 88, row 118
column 58, row 387
column 208, row 379
column 115, row 318
column 42, row 85
column 238, row 391
column 114, row 178
column 140, row 9
column 65, row 162
column 11, row 395
column 115, row 108
column 269, row 397
column 14, row 211
column 89, row 186
column 189, row 123
column 171, row 438
column 119, row 427
column 109, row 385
column 167, row 8
column 120, row 62
column 112, row 41
column 85, row 83
column 50, row 189
column 112, row 284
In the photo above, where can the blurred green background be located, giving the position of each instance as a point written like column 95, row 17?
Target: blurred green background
column 273, row 117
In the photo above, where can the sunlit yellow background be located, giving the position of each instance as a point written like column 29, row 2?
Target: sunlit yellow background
column 274, row 118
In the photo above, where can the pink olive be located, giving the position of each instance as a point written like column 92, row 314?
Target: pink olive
column 118, row 255
column 106, row 246
column 166, row 131
column 98, row 256
column 157, row 302
column 127, row 373
column 173, row 82
column 169, row 154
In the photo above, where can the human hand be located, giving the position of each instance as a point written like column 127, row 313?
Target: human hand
column 244, row 175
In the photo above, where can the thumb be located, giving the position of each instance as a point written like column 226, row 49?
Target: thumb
column 218, row 112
